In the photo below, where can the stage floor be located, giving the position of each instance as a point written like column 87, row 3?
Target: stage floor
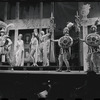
column 41, row 72
column 16, row 84
column 51, row 70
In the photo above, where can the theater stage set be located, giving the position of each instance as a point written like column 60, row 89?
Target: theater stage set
column 33, row 83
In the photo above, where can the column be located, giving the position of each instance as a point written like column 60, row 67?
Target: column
column 41, row 15
column 15, row 38
column 17, row 10
column 85, row 49
column 80, row 4
column 52, row 49
column 5, row 11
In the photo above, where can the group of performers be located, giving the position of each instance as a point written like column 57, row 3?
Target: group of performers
column 41, row 43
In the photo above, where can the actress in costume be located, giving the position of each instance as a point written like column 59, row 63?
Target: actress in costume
column 20, row 51
column 34, row 49
column 45, row 46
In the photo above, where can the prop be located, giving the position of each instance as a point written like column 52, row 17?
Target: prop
column 65, row 42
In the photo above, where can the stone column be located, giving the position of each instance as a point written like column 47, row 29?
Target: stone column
column 85, row 49
column 17, row 10
column 80, row 4
column 41, row 15
column 52, row 49
column 15, row 38
column 5, row 11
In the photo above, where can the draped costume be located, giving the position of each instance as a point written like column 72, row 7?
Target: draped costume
column 20, row 53
column 46, row 48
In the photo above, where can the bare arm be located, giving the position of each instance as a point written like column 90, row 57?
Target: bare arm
column 10, row 42
column 82, row 40
column 70, row 51
column 55, row 40
column 23, row 44
column 46, row 35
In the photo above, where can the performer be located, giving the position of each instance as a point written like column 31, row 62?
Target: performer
column 2, row 41
column 20, row 51
column 65, row 53
column 5, row 48
column 34, row 49
column 45, row 46
column 92, row 50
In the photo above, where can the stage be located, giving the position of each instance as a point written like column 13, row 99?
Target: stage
column 22, row 83
column 43, row 72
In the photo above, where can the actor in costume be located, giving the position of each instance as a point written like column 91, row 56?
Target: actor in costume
column 34, row 49
column 45, row 46
column 2, row 41
column 20, row 51
column 93, row 42
column 65, row 53
column 5, row 48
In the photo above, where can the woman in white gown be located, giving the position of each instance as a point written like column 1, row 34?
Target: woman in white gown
column 20, row 51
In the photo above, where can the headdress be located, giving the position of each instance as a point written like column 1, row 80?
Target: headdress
column 68, row 27
column 94, row 25
column 5, row 28
column 42, row 32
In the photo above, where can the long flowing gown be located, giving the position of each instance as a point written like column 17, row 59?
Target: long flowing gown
column 20, row 53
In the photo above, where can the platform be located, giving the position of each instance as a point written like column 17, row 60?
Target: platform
column 17, row 84
column 39, row 68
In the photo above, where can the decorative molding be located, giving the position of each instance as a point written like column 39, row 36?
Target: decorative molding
column 89, row 21
column 85, row 9
column 29, row 23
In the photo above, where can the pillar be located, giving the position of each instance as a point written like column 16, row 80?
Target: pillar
column 17, row 10
column 5, row 11
column 85, row 49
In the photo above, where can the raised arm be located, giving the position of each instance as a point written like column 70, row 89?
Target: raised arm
column 46, row 35
column 55, row 40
